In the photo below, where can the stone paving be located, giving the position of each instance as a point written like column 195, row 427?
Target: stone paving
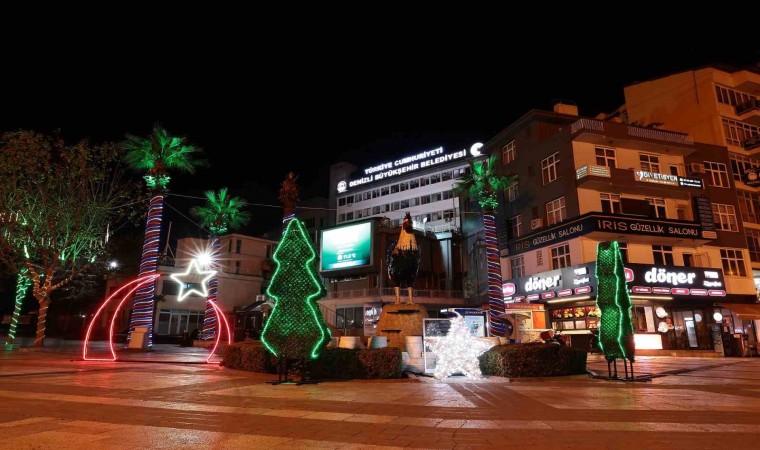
column 51, row 400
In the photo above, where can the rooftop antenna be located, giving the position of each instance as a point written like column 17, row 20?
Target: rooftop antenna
column 167, row 248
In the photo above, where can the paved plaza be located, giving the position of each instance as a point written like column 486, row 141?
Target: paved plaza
column 50, row 401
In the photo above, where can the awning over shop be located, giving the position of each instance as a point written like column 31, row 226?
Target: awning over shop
column 744, row 311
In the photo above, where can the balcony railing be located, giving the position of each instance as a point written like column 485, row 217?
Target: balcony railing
column 586, row 124
column 390, row 292
column 752, row 142
column 660, row 135
column 747, row 106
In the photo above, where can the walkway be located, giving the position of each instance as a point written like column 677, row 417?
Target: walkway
column 50, row 401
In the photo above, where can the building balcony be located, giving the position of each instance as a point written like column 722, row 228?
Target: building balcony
column 630, row 181
column 752, row 105
column 388, row 295
column 752, row 143
column 621, row 135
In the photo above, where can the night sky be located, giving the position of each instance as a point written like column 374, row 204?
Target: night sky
column 302, row 102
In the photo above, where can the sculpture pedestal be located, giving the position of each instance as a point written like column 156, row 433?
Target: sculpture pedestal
column 397, row 321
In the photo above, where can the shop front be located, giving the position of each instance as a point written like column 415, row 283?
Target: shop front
column 674, row 308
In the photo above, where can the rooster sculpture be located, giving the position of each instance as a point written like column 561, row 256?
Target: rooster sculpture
column 403, row 260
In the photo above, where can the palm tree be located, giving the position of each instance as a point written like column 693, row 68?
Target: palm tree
column 483, row 183
column 220, row 213
column 157, row 154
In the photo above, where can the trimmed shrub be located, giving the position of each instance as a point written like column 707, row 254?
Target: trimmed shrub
column 533, row 360
column 252, row 356
column 333, row 363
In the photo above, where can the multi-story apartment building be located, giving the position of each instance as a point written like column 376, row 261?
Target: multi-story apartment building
column 668, row 201
column 715, row 105
column 718, row 105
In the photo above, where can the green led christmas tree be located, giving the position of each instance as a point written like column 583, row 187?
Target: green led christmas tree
column 615, row 328
column 295, row 329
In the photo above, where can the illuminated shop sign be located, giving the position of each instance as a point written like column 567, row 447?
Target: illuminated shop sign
column 655, row 279
column 551, row 284
column 751, row 176
column 664, row 178
column 640, row 279
column 408, row 164
column 607, row 223
column 659, row 178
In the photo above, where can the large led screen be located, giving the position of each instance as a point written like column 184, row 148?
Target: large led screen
column 347, row 247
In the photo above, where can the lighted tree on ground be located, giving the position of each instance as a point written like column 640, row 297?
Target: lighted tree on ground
column 484, row 183
column 615, row 328
column 295, row 328
column 220, row 213
column 157, row 154
column 57, row 203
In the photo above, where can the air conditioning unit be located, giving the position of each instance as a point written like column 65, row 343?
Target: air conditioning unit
column 696, row 168
column 261, row 298
column 536, row 223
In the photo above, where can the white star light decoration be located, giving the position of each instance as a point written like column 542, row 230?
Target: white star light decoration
column 180, row 278
column 458, row 351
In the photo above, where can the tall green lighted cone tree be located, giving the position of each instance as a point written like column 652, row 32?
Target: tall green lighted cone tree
column 615, row 328
column 220, row 213
column 295, row 328
column 157, row 154
column 483, row 183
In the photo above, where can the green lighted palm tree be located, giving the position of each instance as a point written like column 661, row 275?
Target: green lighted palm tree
column 483, row 183
column 157, row 154
column 220, row 213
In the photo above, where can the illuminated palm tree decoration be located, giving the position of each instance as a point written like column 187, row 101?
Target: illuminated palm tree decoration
column 483, row 183
column 220, row 213
column 157, row 154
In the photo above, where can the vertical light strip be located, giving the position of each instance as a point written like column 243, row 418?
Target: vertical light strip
column 495, row 292
column 142, row 309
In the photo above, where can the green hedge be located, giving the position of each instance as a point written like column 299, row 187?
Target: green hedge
column 334, row 363
column 533, row 360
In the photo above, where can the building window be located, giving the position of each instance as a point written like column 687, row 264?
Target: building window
column 515, row 224
column 605, row 157
column 394, row 188
column 560, row 256
column 518, row 266
column 414, row 184
column 717, row 174
column 610, row 203
column 753, row 243
column 663, row 255
column 436, row 197
column 425, row 199
column 237, row 267
column 549, row 168
column 367, row 195
column 555, row 211
column 385, row 190
column 238, row 244
column 657, row 207
column 738, row 132
column 448, row 195
column 511, row 193
column 424, row 181
column 435, row 178
column 623, row 246
column 649, row 163
column 725, row 217
column 749, row 206
column 350, row 200
column 732, row 97
column 733, row 262
column 357, row 197
column 539, row 258
column 375, row 210
column 350, row 216
column 341, row 217
column 740, row 163
column 508, row 153
column 342, row 201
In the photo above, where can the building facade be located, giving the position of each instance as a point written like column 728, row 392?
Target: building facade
column 245, row 270
column 421, row 184
column 669, row 202
column 717, row 105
